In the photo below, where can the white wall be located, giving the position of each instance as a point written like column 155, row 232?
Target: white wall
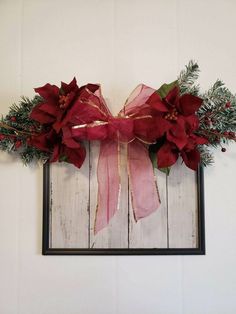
column 119, row 44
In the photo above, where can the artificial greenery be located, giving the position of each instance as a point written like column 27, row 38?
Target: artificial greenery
column 17, row 127
column 187, row 79
column 217, row 115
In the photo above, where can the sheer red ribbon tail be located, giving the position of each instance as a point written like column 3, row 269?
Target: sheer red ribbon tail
column 144, row 192
column 108, row 183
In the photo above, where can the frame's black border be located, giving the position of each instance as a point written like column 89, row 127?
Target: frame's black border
column 46, row 250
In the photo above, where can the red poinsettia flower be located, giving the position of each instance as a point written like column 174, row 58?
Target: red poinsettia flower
column 56, row 102
column 72, row 152
column 60, row 149
column 51, row 113
column 168, row 154
column 175, row 115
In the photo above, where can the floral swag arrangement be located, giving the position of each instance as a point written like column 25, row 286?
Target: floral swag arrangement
column 159, row 126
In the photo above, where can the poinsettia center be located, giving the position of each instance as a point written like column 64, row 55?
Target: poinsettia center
column 172, row 115
column 62, row 101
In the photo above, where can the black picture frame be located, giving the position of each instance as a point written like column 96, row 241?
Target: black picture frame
column 46, row 250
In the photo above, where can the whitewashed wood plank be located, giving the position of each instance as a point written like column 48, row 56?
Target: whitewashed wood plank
column 151, row 232
column 69, row 205
column 115, row 235
column 182, row 207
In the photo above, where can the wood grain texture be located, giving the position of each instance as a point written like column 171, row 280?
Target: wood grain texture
column 151, row 232
column 182, row 207
column 69, row 206
column 74, row 202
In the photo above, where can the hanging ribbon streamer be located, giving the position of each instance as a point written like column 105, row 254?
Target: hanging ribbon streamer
column 145, row 199
column 131, row 126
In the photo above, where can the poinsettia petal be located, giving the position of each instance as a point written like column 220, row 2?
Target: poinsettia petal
column 191, row 158
column 181, row 122
column 48, row 91
column 192, row 123
column 167, row 155
column 191, row 144
column 189, row 104
column 72, row 86
column 58, row 125
column 40, row 142
column 50, row 108
column 74, row 156
column 161, row 127
column 201, row 140
column 43, row 141
column 72, row 143
column 41, row 116
column 193, row 141
column 177, row 135
column 172, row 97
column 156, row 102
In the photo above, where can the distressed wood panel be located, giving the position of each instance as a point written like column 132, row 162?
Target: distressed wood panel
column 151, row 232
column 69, row 206
column 113, row 236
column 182, row 207
column 74, row 201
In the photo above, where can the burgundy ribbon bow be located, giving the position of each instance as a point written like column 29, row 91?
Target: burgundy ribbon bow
column 94, row 121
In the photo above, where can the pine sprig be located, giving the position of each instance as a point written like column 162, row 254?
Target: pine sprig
column 16, row 129
column 31, row 153
column 205, row 155
column 219, row 109
column 188, row 77
column 217, row 115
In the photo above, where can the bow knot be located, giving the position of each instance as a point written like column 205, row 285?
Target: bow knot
column 121, row 129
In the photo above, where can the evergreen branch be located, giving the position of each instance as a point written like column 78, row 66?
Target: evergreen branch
column 217, row 115
column 17, row 128
column 16, row 131
column 205, row 155
column 188, row 77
